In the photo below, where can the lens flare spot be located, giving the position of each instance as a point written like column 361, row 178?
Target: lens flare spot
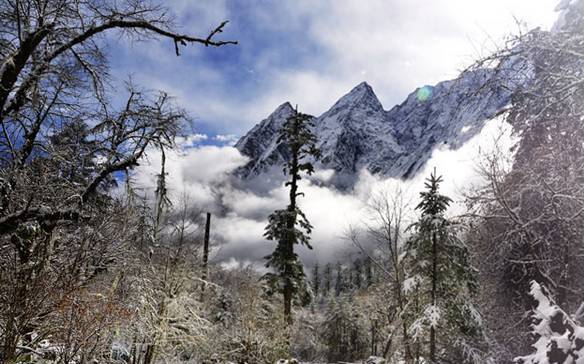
column 424, row 93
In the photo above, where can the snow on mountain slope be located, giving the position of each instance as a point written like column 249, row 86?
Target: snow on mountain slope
column 455, row 112
column 260, row 143
column 357, row 133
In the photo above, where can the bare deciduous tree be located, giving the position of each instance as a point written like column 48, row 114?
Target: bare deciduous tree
column 529, row 217
column 385, row 233
column 63, row 143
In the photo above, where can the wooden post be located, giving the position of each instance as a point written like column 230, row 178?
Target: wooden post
column 206, row 253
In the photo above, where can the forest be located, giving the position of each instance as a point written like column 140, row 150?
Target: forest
column 96, row 269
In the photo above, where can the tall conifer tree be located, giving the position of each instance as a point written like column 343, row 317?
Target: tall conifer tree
column 316, row 280
column 440, row 269
column 327, row 278
column 290, row 226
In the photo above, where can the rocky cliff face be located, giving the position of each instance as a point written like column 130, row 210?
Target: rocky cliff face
column 357, row 133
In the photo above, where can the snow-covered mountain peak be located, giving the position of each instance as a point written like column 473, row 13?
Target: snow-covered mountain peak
column 263, row 137
column 361, row 96
column 284, row 110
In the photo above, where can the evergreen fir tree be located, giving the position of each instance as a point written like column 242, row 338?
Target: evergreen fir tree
column 290, row 226
column 327, row 279
column 339, row 280
column 357, row 272
column 440, row 270
column 348, row 282
column 344, row 331
column 316, row 280
column 368, row 272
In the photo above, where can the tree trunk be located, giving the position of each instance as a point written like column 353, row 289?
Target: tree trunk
column 374, row 338
column 160, row 193
column 288, row 303
column 434, row 279
column 149, row 356
column 9, row 347
column 205, row 254
column 288, row 271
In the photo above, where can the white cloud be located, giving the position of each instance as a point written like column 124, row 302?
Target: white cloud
column 396, row 46
column 240, row 215
column 227, row 139
column 211, row 164
column 190, row 140
column 195, row 173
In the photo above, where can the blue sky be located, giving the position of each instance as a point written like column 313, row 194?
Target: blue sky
column 312, row 52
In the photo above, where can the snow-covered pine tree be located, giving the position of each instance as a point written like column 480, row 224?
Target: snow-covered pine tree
column 339, row 280
column 316, row 280
column 368, row 272
column 327, row 278
column 344, row 331
column 358, row 271
column 559, row 338
column 290, row 226
column 444, row 280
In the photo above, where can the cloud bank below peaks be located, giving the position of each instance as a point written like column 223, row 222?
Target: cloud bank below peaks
column 202, row 174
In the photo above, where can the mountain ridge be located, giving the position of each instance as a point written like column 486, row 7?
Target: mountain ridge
column 358, row 133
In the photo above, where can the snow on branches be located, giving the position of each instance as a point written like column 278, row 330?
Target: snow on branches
column 560, row 339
